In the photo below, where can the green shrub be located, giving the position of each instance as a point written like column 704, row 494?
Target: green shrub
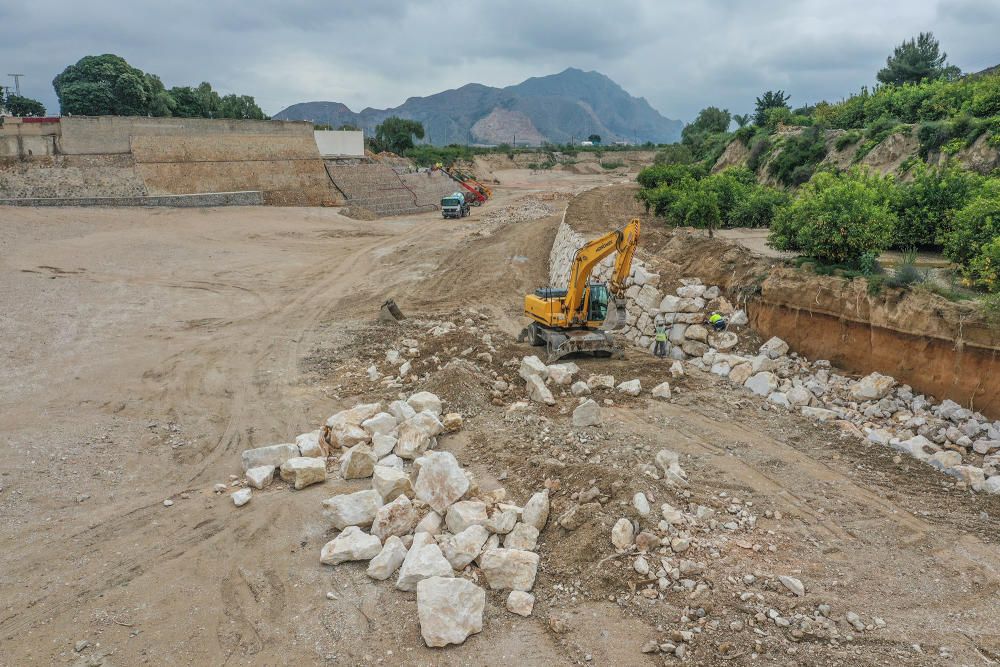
column 799, row 155
column 837, row 218
column 925, row 205
column 669, row 174
column 984, row 269
column 847, row 139
column 757, row 208
column 974, row 225
column 907, row 273
column 613, row 164
column 760, row 148
column 674, row 154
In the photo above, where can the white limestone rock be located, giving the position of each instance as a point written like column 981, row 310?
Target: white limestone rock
column 630, row 387
column 696, row 332
column 739, row 318
column 513, row 569
column 580, row 388
column 308, row 444
column 449, row 610
column 381, row 424
column 762, row 384
column 388, row 559
column 272, row 455
column 382, row 445
column 774, row 348
column 260, row 476
column 676, row 370
column 303, row 471
column 464, row 547
column 662, row 390
column 358, row 462
column 391, row 482
column 452, row 422
column 536, row 510
column 241, row 497
column 523, row 536
column 396, row 518
column 622, row 534
column 353, row 509
column 601, row 382
column 723, row 341
column 538, row 392
column 401, row 410
column 425, row 401
column 586, row 414
column 465, row 513
column 440, row 481
column 503, row 518
column 531, row 367
column 520, row 603
column 352, row 544
column 422, row 563
column 872, row 387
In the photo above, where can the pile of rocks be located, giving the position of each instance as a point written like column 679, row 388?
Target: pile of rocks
column 540, row 380
column 944, row 435
column 426, row 517
column 521, row 211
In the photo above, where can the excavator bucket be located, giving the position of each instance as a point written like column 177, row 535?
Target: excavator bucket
column 390, row 312
column 616, row 316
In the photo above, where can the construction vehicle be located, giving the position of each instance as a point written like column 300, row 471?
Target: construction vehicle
column 582, row 317
column 476, row 193
column 454, row 205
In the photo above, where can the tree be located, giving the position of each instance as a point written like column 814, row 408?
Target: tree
column 838, row 218
column 240, row 106
column 160, row 103
column 710, row 119
column 769, row 100
column 18, row 105
column 917, row 59
column 594, row 138
column 396, row 134
column 103, row 85
column 742, row 119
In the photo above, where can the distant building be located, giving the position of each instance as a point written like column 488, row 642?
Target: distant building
column 586, row 143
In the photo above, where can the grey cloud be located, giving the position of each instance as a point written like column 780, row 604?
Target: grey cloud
column 679, row 56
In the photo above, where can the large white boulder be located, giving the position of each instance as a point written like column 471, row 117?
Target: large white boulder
column 425, row 401
column 872, row 387
column 533, row 367
column 462, row 548
column 391, row 482
column 401, row 410
column 586, row 414
column 580, row 388
column 358, row 462
column 388, row 559
column 536, row 510
column 449, row 610
column 260, row 476
column 513, row 569
column 353, row 509
column 537, row 391
column 466, row 513
column 630, row 387
column 524, row 536
column 723, row 341
column 662, row 390
column 308, row 444
column 302, row 471
column 762, row 384
column 670, row 304
column 440, row 481
column 412, row 440
column 774, row 348
column 601, row 382
column 383, row 445
column 562, row 374
column 396, row 518
column 691, row 291
column 381, row 424
column 272, row 455
column 520, row 603
column 696, row 332
column 345, row 426
column 421, row 563
column 352, row 544
column 622, row 534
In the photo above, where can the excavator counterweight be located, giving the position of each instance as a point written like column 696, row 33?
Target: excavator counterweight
column 582, row 316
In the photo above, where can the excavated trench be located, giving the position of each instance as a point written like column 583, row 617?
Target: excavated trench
column 940, row 348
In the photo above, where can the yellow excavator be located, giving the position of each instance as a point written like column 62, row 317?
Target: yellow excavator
column 581, row 317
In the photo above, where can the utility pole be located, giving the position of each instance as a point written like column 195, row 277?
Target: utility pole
column 17, row 83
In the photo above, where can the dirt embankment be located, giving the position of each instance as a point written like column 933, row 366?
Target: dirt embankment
column 940, row 348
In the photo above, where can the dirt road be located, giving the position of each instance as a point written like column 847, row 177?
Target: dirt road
column 143, row 350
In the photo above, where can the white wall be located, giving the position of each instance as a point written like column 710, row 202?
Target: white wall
column 340, row 142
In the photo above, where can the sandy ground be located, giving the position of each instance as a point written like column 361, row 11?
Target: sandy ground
column 143, row 350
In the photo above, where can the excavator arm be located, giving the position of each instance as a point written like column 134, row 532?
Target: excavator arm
column 624, row 242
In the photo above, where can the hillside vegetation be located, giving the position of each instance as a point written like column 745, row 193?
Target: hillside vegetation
column 910, row 164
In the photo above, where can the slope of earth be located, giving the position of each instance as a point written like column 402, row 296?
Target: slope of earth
column 147, row 349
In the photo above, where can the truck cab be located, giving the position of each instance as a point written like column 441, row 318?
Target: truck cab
column 454, row 206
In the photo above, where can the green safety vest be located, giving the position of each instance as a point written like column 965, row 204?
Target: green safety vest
column 715, row 318
column 661, row 336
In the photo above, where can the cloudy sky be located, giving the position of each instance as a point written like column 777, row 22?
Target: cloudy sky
column 681, row 56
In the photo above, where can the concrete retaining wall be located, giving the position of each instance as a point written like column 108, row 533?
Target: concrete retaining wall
column 248, row 198
column 339, row 143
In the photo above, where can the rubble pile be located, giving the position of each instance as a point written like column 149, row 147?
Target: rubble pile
column 523, row 210
column 425, row 519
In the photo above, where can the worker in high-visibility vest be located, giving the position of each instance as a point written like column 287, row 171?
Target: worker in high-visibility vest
column 660, row 347
column 717, row 321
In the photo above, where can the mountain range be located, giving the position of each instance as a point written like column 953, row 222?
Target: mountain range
column 558, row 108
